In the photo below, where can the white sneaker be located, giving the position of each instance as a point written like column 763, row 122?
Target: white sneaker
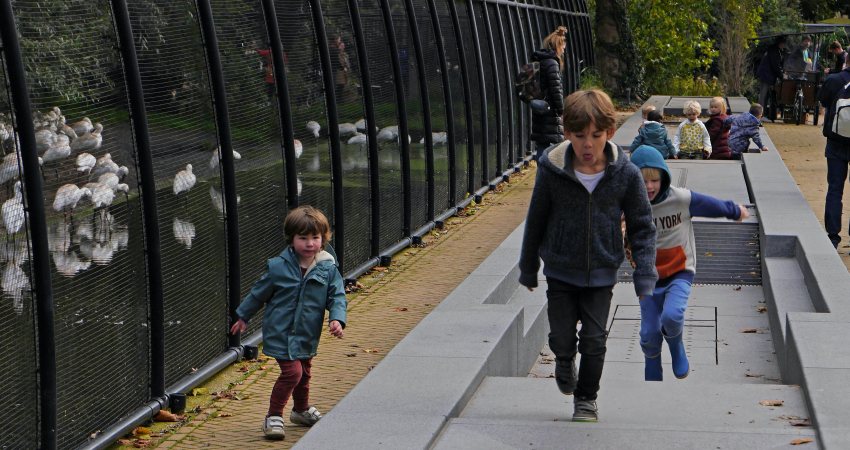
column 273, row 427
column 307, row 418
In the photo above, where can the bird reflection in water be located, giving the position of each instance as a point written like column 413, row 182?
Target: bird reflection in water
column 184, row 232
column 90, row 240
column 15, row 281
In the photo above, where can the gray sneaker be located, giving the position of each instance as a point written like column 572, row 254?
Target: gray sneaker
column 273, row 427
column 307, row 418
column 585, row 411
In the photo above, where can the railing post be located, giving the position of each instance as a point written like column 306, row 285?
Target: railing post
column 497, row 87
column 467, row 100
column 447, row 98
column 482, row 101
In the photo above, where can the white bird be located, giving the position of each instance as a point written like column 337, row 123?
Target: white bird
column 105, row 164
column 314, row 127
column 86, row 162
column 89, row 141
column 184, row 232
column 13, row 211
column 299, row 148
column 69, row 264
column 15, row 282
column 361, row 125
column 347, row 129
column 44, row 138
column 437, row 138
column 184, row 180
column 67, row 197
column 109, row 179
column 216, row 157
column 388, row 134
column 218, row 200
column 358, row 139
column 61, row 146
column 59, row 237
column 102, row 253
column 298, row 187
column 82, row 126
column 9, row 169
column 101, row 195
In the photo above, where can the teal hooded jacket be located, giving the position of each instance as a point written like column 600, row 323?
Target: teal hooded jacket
column 295, row 305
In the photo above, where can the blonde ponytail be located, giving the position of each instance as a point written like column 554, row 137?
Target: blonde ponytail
column 557, row 41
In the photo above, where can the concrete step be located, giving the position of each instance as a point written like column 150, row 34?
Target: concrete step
column 531, row 413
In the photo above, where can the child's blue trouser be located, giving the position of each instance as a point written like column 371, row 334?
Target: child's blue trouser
column 665, row 309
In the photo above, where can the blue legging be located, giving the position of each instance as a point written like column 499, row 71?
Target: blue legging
column 665, row 309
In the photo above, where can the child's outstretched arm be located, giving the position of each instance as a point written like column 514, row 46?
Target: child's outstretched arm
column 641, row 232
column 707, row 206
column 260, row 293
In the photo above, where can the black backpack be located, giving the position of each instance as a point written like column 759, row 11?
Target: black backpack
column 527, row 84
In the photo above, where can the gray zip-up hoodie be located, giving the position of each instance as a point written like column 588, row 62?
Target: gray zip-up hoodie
column 577, row 234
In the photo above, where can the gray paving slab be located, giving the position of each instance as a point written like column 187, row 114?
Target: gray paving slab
column 829, row 395
column 737, row 105
column 721, row 179
column 366, row 430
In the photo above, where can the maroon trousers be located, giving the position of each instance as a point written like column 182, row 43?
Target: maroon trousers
column 294, row 380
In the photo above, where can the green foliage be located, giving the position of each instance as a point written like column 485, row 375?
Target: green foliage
column 735, row 26
column 827, row 58
column 817, row 10
column 780, row 16
column 690, row 87
column 590, row 79
column 671, row 40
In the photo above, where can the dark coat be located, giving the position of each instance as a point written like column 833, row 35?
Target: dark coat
column 718, row 131
column 654, row 134
column 828, row 95
column 547, row 127
column 770, row 67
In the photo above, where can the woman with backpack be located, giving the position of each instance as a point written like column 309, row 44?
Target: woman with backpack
column 547, row 126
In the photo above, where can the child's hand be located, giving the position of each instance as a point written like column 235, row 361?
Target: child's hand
column 764, row 149
column 335, row 328
column 239, row 327
column 744, row 213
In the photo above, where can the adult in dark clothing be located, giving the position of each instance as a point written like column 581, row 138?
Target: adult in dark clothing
column 547, row 125
column 837, row 153
column 770, row 68
column 840, row 56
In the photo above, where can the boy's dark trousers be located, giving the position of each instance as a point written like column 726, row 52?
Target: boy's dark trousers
column 566, row 305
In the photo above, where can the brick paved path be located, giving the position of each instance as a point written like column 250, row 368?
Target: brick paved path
column 392, row 302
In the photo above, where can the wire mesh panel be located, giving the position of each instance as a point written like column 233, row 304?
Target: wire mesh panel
column 386, row 115
column 491, row 86
column 18, row 392
column 516, row 51
column 434, row 80
column 80, row 114
column 459, row 105
column 524, row 48
column 350, row 107
column 183, row 142
column 307, row 97
column 415, row 117
column 470, row 40
column 256, row 134
column 505, row 76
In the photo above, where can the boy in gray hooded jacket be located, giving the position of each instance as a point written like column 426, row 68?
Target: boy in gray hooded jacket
column 584, row 186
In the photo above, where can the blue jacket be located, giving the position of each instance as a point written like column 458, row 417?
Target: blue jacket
column 655, row 135
column 295, row 306
column 577, row 234
column 745, row 126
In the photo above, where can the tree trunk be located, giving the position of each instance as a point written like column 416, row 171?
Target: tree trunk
column 616, row 54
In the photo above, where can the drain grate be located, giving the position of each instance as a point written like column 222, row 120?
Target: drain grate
column 727, row 253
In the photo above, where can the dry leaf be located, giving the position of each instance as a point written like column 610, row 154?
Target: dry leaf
column 225, row 414
column 141, row 443
column 165, row 416
column 801, row 423
column 709, row 254
column 738, row 288
column 125, row 442
column 141, row 430
column 371, row 350
column 801, row 441
column 750, row 330
column 379, row 269
column 199, row 391
column 400, row 309
column 351, row 355
column 772, row 402
column 753, row 375
column 761, row 308
column 264, row 367
column 243, row 368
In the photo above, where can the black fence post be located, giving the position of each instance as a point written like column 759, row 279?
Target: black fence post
column 284, row 108
column 426, row 107
column 34, row 201
column 467, row 100
column 401, row 106
column 508, row 83
column 225, row 142
column 447, row 98
column 497, row 88
column 520, row 125
column 333, row 130
column 482, row 101
column 369, row 104
column 147, row 182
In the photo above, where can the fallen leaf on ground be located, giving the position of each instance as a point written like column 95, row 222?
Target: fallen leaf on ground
column 141, row 443
column 351, row 355
column 801, row 441
column 371, row 350
column 141, row 430
column 709, row 254
column 761, row 308
column 772, row 402
column 165, row 416
column 225, row 414
column 244, row 368
column 738, row 288
column 750, row 330
column 753, row 375
column 379, row 269
column 199, row 391
column 125, row 442
column 400, row 309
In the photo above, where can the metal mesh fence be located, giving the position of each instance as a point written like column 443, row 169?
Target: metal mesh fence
column 99, row 259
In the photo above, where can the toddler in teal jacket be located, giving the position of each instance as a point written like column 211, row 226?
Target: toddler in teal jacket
column 299, row 285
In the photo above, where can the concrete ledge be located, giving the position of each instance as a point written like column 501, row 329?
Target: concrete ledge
column 431, row 374
column 785, row 291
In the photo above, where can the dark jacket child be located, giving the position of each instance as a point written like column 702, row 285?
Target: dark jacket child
column 583, row 187
column 654, row 134
column 745, row 126
column 299, row 285
column 718, row 129
column 663, row 313
column 547, row 126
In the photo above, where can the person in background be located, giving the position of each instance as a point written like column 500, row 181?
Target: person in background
column 691, row 140
column 770, row 68
column 547, row 126
column 840, row 56
column 743, row 128
column 654, row 134
column 718, row 129
column 298, row 286
column 799, row 61
column 837, row 152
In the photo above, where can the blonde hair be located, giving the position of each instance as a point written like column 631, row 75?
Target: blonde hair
column 557, row 41
column 650, row 173
column 581, row 108
column 646, row 110
column 692, row 107
column 306, row 220
column 719, row 101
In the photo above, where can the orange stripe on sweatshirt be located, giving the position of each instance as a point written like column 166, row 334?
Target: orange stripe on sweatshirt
column 669, row 261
